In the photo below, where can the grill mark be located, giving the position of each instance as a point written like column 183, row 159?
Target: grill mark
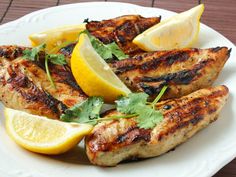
column 166, row 59
column 64, row 75
column 183, row 77
column 133, row 135
column 152, row 90
column 19, row 82
column 197, row 108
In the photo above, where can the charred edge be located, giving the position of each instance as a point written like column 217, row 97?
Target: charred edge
column 67, row 50
column 134, row 135
column 229, row 52
column 11, row 52
column 152, row 90
column 184, row 77
column 216, row 49
column 20, row 82
column 166, row 60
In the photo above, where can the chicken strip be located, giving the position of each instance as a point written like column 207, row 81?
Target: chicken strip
column 111, row 142
column 183, row 70
column 24, row 85
column 122, row 30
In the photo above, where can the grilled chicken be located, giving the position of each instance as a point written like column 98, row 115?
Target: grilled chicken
column 183, row 70
column 111, row 142
column 122, row 30
column 24, row 85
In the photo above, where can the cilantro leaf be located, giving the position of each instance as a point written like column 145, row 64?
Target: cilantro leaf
column 33, row 54
column 130, row 104
column 148, row 117
column 106, row 51
column 85, row 112
column 57, row 59
column 114, row 48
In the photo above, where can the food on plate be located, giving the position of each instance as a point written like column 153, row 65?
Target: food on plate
column 183, row 70
column 93, row 74
column 122, row 30
column 113, row 141
column 179, row 31
column 42, row 135
column 24, row 84
column 73, row 70
column 58, row 37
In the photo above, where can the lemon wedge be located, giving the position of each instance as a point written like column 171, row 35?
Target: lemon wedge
column 179, row 31
column 93, row 74
column 56, row 37
column 43, row 135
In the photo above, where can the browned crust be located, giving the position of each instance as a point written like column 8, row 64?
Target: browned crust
column 184, row 70
column 122, row 30
column 200, row 107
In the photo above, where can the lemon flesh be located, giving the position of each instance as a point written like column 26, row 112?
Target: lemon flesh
column 43, row 135
column 179, row 31
column 93, row 74
column 57, row 37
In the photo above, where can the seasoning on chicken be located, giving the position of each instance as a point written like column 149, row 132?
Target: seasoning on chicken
column 183, row 70
column 24, row 85
column 111, row 142
column 122, row 30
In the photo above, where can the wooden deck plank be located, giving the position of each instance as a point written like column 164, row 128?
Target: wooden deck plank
column 3, row 7
column 217, row 14
column 61, row 2
column 176, row 6
column 221, row 15
column 147, row 3
column 23, row 7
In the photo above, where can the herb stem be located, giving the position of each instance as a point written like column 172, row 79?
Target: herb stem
column 118, row 117
column 48, row 72
column 159, row 96
column 113, row 118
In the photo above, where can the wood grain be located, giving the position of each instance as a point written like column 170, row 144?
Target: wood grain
column 22, row 7
column 219, row 14
column 146, row 3
column 61, row 2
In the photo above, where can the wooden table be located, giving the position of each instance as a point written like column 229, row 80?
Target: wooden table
column 218, row 14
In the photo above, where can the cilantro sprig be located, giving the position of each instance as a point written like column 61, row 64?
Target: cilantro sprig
column 106, row 51
column 34, row 54
column 135, row 105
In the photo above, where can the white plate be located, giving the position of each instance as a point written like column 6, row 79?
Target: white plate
column 201, row 156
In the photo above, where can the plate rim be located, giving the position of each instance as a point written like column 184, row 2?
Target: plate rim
column 227, row 158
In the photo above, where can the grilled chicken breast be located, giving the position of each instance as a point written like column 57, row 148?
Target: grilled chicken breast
column 122, row 30
column 111, row 142
column 183, row 70
column 24, row 85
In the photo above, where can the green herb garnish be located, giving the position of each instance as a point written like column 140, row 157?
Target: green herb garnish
column 106, row 51
column 85, row 112
column 33, row 55
column 134, row 105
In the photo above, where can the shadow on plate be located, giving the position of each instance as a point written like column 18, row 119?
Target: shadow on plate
column 77, row 155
